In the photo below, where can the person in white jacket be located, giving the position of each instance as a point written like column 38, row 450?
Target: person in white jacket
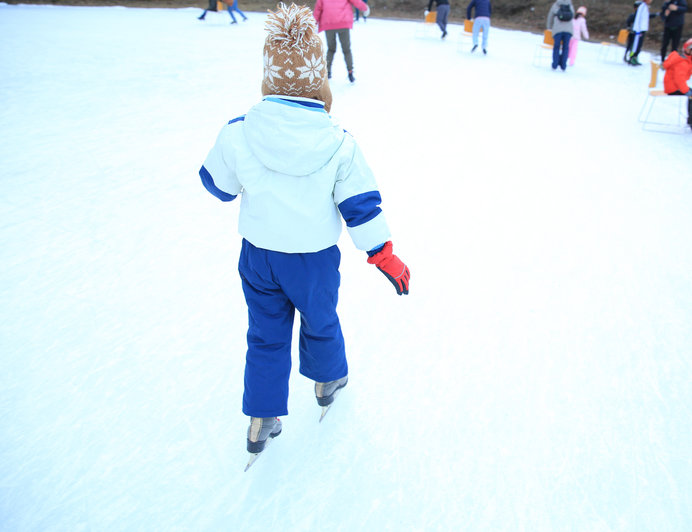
column 639, row 28
column 299, row 174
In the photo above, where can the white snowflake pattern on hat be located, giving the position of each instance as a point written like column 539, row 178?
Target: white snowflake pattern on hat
column 312, row 69
column 271, row 70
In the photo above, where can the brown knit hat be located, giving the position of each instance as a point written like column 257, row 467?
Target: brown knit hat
column 294, row 63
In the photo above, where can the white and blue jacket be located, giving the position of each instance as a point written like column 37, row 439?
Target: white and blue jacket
column 298, row 173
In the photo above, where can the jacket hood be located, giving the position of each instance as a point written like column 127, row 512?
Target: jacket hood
column 293, row 136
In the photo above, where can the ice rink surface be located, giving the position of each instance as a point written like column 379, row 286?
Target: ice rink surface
column 536, row 378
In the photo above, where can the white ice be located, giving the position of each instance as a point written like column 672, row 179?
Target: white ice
column 536, row 378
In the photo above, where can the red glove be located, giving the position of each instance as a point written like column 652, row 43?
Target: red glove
column 392, row 268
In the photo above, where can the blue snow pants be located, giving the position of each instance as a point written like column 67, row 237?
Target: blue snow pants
column 561, row 49
column 275, row 286
column 481, row 23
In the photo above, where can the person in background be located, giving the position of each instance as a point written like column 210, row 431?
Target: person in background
column 233, row 6
column 299, row 174
column 335, row 18
column 358, row 13
column 630, row 35
column 640, row 26
column 579, row 30
column 678, row 71
column 212, row 7
column 561, row 27
column 480, row 22
column 673, row 15
column 442, row 14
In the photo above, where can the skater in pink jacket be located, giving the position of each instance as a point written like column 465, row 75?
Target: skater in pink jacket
column 579, row 30
column 335, row 17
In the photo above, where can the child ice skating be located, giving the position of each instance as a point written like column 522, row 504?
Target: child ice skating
column 299, row 174
column 629, row 22
column 678, row 72
column 639, row 27
column 579, row 30
column 335, row 18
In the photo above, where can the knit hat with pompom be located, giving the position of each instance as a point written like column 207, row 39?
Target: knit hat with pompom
column 294, row 63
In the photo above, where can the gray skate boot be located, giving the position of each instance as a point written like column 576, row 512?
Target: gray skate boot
column 326, row 392
column 260, row 430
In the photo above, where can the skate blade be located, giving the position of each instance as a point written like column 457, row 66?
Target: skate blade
column 325, row 409
column 255, row 456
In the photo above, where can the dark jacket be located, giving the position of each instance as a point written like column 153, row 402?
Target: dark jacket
column 483, row 8
column 437, row 2
column 674, row 18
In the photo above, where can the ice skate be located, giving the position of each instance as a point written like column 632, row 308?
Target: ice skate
column 326, row 392
column 260, row 432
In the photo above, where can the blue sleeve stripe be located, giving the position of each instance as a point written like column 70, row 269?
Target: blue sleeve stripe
column 208, row 183
column 360, row 208
column 239, row 119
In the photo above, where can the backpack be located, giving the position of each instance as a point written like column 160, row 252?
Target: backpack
column 564, row 13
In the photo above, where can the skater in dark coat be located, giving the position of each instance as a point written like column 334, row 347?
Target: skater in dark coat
column 442, row 14
column 299, row 174
column 673, row 16
column 481, row 21
column 212, row 7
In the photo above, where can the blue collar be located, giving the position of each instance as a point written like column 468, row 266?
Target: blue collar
column 296, row 101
